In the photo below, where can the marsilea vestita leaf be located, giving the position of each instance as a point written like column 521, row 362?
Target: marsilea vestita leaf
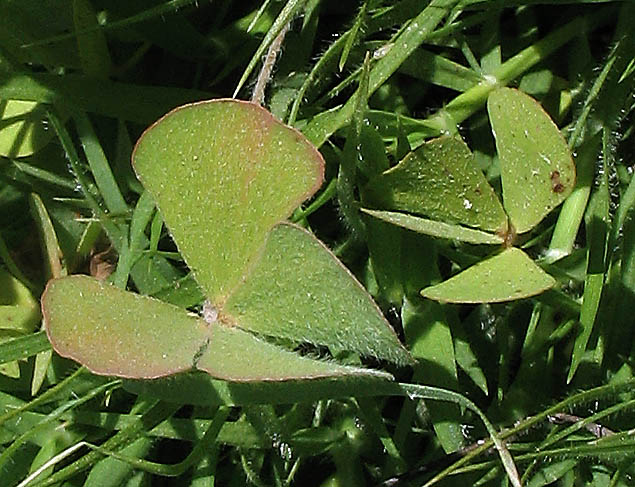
column 440, row 181
column 224, row 175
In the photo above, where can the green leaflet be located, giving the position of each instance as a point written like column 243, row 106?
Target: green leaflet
column 440, row 180
column 19, row 315
column 18, row 309
column 436, row 228
column 115, row 332
column 224, row 174
column 22, row 128
column 504, row 277
column 314, row 299
column 537, row 170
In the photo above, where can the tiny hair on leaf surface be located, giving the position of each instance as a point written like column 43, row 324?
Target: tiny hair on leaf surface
column 225, row 175
column 438, row 190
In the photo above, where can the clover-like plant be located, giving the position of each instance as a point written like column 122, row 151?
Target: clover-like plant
column 225, row 175
column 440, row 181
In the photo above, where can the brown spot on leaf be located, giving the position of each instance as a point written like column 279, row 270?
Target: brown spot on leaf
column 556, row 184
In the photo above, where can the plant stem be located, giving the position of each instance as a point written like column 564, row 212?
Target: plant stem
column 267, row 66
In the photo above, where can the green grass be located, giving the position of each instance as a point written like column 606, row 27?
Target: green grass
column 366, row 81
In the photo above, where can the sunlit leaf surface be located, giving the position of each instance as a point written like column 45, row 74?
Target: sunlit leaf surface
column 537, row 170
column 440, row 180
column 23, row 129
column 507, row 276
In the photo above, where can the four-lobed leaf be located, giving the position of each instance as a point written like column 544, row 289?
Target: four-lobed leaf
column 440, row 181
column 224, row 175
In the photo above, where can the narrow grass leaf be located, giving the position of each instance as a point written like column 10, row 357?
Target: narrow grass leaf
column 597, row 231
column 286, row 15
column 371, row 413
column 551, row 473
column 23, row 347
column 203, row 390
column 55, row 268
column 152, row 415
column 437, row 394
column 259, row 14
column 111, row 472
column 439, row 70
column 466, row 357
column 43, row 175
column 48, row 238
column 18, row 316
column 128, row 456
column 18, row 308
column 402, row 128
column 92, row 46
column 137, row 103
column 347, row 175
column 141, row 217
column 317, row 73
column 572, row 212
column 46, row 431
column 352, row 35
column 159, row 11
column 100, row 166
column 628, row 260
column 429, row 338
column 412, row 36
column 130, row 251
column 469, row 102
